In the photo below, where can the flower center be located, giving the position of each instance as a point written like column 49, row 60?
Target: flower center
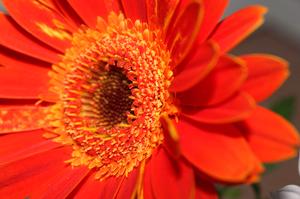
column 111, row 89
column 110, row 103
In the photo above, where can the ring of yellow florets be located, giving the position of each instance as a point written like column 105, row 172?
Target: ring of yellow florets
column 113, row 148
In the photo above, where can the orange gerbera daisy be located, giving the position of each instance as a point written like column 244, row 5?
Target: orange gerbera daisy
column 134, row 99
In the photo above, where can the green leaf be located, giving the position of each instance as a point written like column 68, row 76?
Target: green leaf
column 229, row 192
column 285, row 107
column 270, row 167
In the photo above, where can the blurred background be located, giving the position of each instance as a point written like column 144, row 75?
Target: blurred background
column 280, row 35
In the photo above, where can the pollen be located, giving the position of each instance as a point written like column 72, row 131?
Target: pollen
column 111, row 89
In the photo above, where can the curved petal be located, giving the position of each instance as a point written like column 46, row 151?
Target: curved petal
column 255, row 175
column 233, row 29
column 69, row 14
column 41, row 21
column 160, row 12
column 40, row 175
column 222, row 82
column 21, row 118
column 213, row 11
column 182, row 34
column 21, row 76
column 14, row 37
column 270, row 136
column 135, row 10
column 18, row 146
column 178, row 178
column 266, row 74
column 202, row 62
column 89, row 11
column 171, row 137
column 202, row 145
column 237, row 108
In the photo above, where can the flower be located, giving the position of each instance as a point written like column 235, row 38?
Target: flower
column 123, row 99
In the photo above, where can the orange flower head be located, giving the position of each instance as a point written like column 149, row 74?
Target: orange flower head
column 111, row 89
column 134, row 99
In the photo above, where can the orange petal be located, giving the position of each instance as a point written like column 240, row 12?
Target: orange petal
column 213, row 11
column 14, row 37
column 183, row 32
column 221, row 83
column 202, row 62
column 171, row 179
column 21, row 118
column 41, row 21
column 89, row 11
column 219, row 151
column 22, row 76
column 17, row 146
column 255, row 175
column 270, row 136
column 234, row 109
column 160, row 12
column 233, row 29
column 135, row 10
column 97, row 189
column 266, row 74
column 41, row 175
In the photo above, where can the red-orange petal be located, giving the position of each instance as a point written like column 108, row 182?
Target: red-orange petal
column 203, row 145
column 233, row 29
column 67, row 182
column 171, row 137
column 170, row 178
column 266, row 74
column 270, row 136
column 160, row 13
column 96, row 189
column 69, row 14
column 213, row 11
column 135, row 10
column 205, row 190
column 89, row 11
column 147, row 184
column 40, row 175
column 190, row 73
column 21, row 118
column 182, row 34
column 234, row 109
column 222, row 82
column 21, row 76
column 41, row 21
column 18, row 146
column 128, row 185
column 14, row 37
column 255, row 175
